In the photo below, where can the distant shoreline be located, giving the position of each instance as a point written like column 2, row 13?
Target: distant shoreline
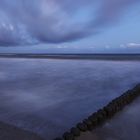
column 74, row 56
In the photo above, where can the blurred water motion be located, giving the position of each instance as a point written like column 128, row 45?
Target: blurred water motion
column 50, row 96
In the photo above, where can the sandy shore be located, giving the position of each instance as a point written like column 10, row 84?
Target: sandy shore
column 48, row 97
column 123, row 126
column 9, row 132
column 88, row 136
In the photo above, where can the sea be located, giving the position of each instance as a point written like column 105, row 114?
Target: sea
column 48, row 95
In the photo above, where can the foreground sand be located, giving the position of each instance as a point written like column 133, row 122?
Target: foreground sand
column 48, row 97
column 9, row 132
column 124, row 126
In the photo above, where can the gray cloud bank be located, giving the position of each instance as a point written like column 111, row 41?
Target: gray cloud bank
column 52, row 21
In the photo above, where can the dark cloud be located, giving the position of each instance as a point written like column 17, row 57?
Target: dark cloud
column 111, row 10
column 52, row 21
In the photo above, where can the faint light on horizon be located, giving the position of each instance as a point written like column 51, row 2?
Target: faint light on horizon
column 133, row 45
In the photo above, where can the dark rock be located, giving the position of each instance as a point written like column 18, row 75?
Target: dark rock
column 89, row 124
column 109, row 110
column 101, row 119
column 94, row 119
column 103, row 112
column 82, row 126
column 75, row 131
column 58, row 139
column 68, row 136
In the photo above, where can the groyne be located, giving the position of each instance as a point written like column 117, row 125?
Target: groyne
column 99, row 117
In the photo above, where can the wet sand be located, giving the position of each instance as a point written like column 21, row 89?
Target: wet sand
column 48, row 97
column 123, row 126
column 10, row 132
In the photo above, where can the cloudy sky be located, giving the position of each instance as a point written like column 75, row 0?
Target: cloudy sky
column 68, row 25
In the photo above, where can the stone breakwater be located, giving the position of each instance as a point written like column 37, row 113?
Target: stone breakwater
column 99, row 117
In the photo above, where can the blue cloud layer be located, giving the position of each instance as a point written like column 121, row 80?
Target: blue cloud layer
column 52, row 21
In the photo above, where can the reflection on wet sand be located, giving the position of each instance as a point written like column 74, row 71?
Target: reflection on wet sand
column 50, row 96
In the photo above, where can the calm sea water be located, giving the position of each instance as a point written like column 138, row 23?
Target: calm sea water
column 49, row 96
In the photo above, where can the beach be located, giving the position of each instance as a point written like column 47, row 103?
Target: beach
column 49, row 96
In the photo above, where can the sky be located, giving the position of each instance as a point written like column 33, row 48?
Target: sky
column 56, row 26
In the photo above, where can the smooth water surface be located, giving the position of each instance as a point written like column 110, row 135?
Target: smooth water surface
column 49, row 96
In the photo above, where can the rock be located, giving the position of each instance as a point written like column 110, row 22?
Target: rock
column 89, row 124
column 83, row 127
column 75, row 131
column 58, row 139
column 68, row 136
